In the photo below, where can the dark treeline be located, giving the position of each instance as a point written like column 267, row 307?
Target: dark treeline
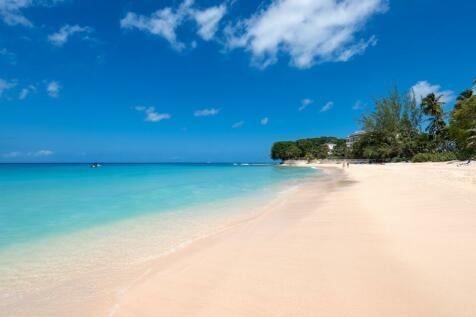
column 309, row 149
column 400, row 128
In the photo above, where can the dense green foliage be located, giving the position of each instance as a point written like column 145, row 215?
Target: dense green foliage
column 462, row 127
column 309, row 149
column 393, row 129
column 434, row 157
column 286, row 151
column 400, row 129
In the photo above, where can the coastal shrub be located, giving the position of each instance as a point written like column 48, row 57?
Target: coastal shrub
column 434, row 157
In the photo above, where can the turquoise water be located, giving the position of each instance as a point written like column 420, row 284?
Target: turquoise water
column 44, row 200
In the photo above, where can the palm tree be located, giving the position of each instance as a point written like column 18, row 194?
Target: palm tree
column 468, row 93
column 432, row 106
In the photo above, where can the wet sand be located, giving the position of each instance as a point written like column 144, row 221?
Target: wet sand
column 379, row 240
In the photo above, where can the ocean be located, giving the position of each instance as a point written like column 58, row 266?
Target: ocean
column 72, row 228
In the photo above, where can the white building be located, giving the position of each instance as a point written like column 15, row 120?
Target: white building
column 351, row 139
column 331, row 147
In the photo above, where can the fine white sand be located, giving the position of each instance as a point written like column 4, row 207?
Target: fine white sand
column 373, row 240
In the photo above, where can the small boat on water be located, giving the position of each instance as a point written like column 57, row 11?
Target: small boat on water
column 95, row 165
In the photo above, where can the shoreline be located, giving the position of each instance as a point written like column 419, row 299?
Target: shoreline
column 107, row 271
column 369, row 246
column 332, row 177
column 369, row 240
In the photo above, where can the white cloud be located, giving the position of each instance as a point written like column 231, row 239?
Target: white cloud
column 151, row 115
column 162, row 22
column 8, row 56
column 206, row 112
column 11, row 10
column 53, row 88
column 238, row 124
column 65, row 32
column 5, row 85
column 358, row 105
column 26, row 91
column 328, row 106
column 305, row 103
column 264, row 121
column 309, row 31
column 23, row 94
column 11, row 154
column 208, row 21
column 165, row 22
column 41, row 153
column 422, row 88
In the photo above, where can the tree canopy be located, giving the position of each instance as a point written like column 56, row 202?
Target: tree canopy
column 393, row 129
column 462, row 127
column 309, row 149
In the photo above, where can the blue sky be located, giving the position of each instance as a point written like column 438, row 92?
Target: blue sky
column 202, row 80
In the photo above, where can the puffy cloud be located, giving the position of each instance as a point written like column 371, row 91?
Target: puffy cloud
column 5, row 85
column 208, row 21
column 305, row 103
column 422, row 88
column 162, row 22
column 264, row 121
column 328, row 106
column 53, row 88
column 65, row 32
column 11, row 10
column 238, row 124
column 151, row 115
column 165, row 22
column 206, row 112
column 309, row 31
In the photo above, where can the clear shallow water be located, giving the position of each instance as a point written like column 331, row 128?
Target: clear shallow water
column 71, row 236
column 50, row 199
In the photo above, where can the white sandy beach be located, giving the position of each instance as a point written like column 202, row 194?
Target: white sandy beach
column 381, row 240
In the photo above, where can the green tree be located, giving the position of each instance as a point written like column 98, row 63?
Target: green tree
column 309, row 157
column 340, row 150
column 462, row 126
column 432, row 106
column 471, row 138
column 468, row 93
column 323, row 152
column 287, row 150
column 393, row 129
column 309, row 146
